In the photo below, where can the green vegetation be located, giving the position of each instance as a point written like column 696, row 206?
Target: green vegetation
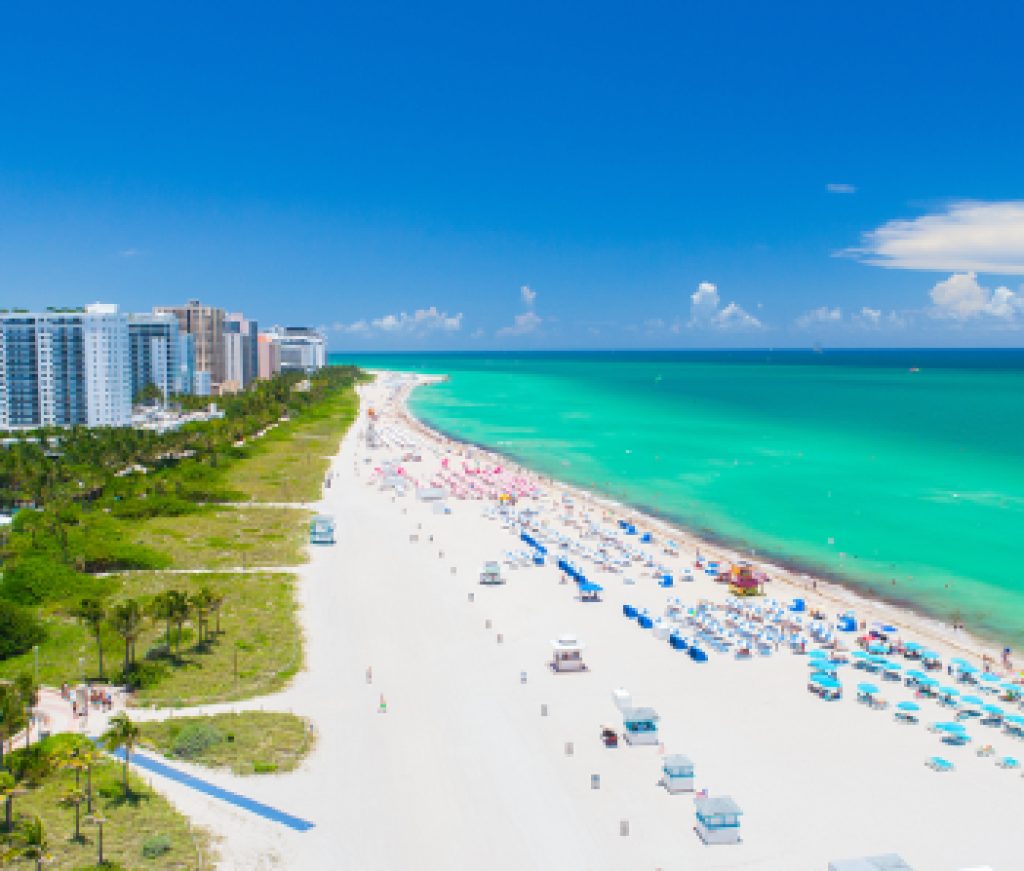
column 149, row 393
column 176, row 661
column 289, row 463
column 228, row 538
column 251, row 742
column 62, row 786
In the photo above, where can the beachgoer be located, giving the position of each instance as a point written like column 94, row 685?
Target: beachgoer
column 369, row 674
column 383, row 705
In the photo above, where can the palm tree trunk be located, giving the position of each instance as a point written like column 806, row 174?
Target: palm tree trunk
column 88, row 790
column 126, row 769
column 127, row 678
column 99, row 644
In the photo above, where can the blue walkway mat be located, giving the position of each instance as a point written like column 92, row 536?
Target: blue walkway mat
column 203, row 786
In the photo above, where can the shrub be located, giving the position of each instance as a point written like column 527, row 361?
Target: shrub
column 19, row 630
column 144, row 674
column 156, row 846
column 194, row 739
column 264, row 767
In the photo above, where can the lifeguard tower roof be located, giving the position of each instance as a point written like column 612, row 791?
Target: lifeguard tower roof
column 634, row 714
column 717, row 806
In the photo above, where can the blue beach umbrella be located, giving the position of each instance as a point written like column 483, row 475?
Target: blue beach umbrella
column 967, row 669
column 909, row 706
column 868, row 688
column 991, row 678
column 818, row 654
column 929, row 654
column 949, row 691
column 588, row 587
column 951, row 727
column 972, row 700
column 993, row 709
column 958, row 661
column 1013, row 718
column 826, row 683
column 928, row 682
column 912, row 645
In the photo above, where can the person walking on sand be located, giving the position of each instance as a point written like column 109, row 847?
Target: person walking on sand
column 369, row 674
column 383, row 704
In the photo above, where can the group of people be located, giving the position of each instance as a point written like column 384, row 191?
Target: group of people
column 99, row 699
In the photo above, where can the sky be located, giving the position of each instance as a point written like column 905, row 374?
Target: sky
column 508, row 176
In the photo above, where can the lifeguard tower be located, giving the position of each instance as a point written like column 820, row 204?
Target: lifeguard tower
column 491, row 573
column 678, row 774
column 742, row 581
column 568, row 654
column 321, row 529
column 640, row 725
column 718, row 820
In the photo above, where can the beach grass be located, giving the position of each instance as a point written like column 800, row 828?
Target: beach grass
column 131, row 822
column 229, row 537
column 289, row 463
column 250, row 742
column 259, row 635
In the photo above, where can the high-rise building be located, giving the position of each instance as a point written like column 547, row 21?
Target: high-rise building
column 201, row 384
column 61, row 368
column 153, row 341
column 241, row 356
column 185, row 374
column 303, row 349
column 269, row 356
column 206, row 324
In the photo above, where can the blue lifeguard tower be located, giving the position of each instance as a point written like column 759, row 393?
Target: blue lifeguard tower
column 640, row 725
column 321, row 529
column 678, row 774
column 718, row 820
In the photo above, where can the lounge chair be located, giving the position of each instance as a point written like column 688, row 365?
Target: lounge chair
column 937, row 764
column 1007, row 762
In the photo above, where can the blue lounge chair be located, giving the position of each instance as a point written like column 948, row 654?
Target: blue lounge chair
column 937, row 764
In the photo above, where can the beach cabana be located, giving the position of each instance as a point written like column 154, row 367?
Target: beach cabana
column 825, row 687
column 640, row 725
column 568, row 654
column 321, row 529
column 589, row 592
column 718, row 820
column 678, row 774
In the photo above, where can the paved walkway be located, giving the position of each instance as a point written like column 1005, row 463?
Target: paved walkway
column 141, row 760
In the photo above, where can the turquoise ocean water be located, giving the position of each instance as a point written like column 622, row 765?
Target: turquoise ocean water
column 905, row 485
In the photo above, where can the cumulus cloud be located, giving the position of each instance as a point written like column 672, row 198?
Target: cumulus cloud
column 841, row 189
column 873, row 319
column 823, row 315
column 704, row 312
column 528, row 295
column 424, row 320
column 960, row 297
column 965, row 237
column 655, row 324
column 478, row 333
column 525, row 323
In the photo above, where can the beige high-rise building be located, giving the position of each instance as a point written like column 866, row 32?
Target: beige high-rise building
column 206, row 324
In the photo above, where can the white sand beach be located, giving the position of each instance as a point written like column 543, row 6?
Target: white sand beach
column 465, row 771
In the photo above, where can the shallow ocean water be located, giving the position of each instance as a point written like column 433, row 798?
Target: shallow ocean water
column 905, row 484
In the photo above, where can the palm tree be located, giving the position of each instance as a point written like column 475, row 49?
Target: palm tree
column 201, row 603
column 127, row 621
column 122, row 733
column 92, row 613
column 33, row 841
column 28, row 695
column 87, row 756
column 73, row 798
column 180, row 611
column 161, row 609
column 11, row 715
column 8, row 790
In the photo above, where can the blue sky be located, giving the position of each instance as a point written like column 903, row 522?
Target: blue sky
column 654, row 175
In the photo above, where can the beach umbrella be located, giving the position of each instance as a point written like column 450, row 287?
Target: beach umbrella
column 929, row 654
column 972, row 700
column 917, row 675
column 892, row 666
column 912, row 645
column 949, row 691
column 993, row 709
column 991, row 678
column 928, row 682
column 860, row 654
column 909, row 706
column 868, row 688
column 951, row 727
column 958, row 661
column 1013, row 718
column 818, row 654
column 825, row 682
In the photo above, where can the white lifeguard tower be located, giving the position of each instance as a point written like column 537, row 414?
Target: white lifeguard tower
column 678, row 774
column 321, row 529
column 718, row 820
column 640, row 725
column 568, row 654
column 491, row 573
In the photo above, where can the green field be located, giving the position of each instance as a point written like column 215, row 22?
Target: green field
column 229, row 537
column 131, row 821
column 258, row 632
column 250, row 742
column 290, row 462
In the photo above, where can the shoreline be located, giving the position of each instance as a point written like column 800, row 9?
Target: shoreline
column 820, row 587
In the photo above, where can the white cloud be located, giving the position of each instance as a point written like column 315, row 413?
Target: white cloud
column 873, row 319
column 704, row 312
column 478, row 333
column 528, row 295
column 962, row 298
column 732, row 317
column 525, row 323
column 871, row 315
column 966, row 237
column 424, row 320
column 655, row 324
column 841, row 189
column 823, row 315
